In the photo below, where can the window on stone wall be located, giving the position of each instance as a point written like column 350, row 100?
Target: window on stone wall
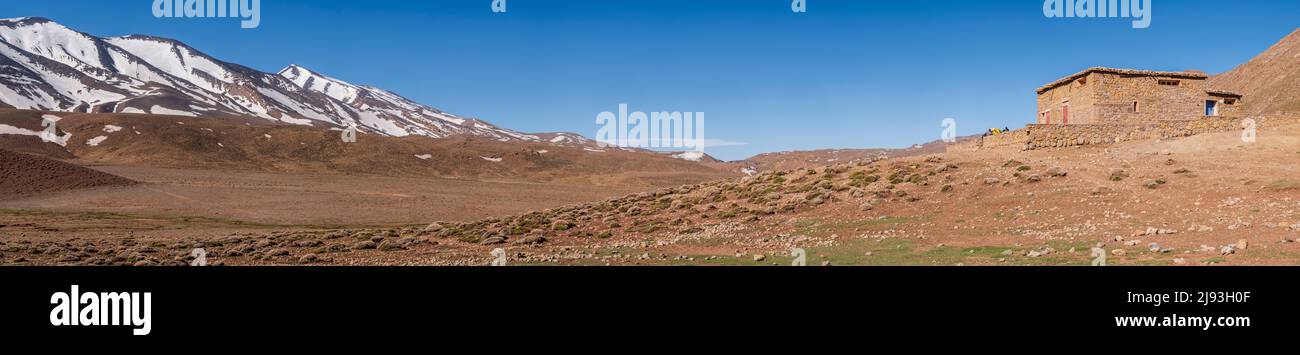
column 1230, row 101
column 1166, row 82
column 1135, row 107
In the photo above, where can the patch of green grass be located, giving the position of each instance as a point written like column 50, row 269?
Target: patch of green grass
column 1284, row 185
column 884, row 252
column 813, row 226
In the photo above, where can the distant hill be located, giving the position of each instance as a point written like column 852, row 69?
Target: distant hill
column 24, row 174
column 209, row 143
column 782, row 161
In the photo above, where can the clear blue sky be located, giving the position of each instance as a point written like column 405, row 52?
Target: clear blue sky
column 846, row 74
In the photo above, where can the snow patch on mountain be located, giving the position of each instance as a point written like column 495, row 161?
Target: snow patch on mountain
column 159, row 110
column 690, row 156
column 310, row 80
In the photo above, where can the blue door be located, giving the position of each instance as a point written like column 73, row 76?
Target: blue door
column 1211, row 108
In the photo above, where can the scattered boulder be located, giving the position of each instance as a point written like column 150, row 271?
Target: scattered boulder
column 561, row 225
column 391, row 244
column 308, row 259
column 1155, row 231
column 1227, row 250
column 1118, row 174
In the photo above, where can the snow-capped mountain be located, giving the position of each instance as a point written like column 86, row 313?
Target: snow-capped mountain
column 48, row 66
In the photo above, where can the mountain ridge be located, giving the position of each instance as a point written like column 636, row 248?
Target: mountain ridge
column 45, row 65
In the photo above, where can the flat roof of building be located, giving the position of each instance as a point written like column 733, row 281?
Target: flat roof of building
column 1085, row 72
column 1223, row 93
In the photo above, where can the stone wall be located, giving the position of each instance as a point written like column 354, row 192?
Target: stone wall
column 1155, row 101
column 1078, row 96
column 1040, row 136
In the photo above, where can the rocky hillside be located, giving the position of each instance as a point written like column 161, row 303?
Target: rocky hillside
column 1270, row 81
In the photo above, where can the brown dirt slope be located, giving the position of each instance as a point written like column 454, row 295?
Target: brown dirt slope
column 815, row 158
column 204, row 143
column 26, row 174
column 1270, row 81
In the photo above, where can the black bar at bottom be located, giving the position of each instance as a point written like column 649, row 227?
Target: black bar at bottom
column 342, row 304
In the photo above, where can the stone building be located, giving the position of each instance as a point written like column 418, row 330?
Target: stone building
column 1132, row 97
